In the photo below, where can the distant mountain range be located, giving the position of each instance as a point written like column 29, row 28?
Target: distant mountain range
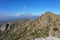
column 12, row 18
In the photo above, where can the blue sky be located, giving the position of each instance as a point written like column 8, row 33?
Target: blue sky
column 28, row 7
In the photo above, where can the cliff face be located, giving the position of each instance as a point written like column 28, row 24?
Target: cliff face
column 47, row 25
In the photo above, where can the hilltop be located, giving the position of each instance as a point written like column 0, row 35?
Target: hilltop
column 46, row 25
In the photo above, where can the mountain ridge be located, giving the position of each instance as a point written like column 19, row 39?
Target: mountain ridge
column 44, row 26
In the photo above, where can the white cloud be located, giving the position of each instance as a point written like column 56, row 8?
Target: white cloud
column 18, row 14
column 25, row 6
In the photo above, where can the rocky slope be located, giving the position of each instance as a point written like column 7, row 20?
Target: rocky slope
column 48, row 38
column 47, row 25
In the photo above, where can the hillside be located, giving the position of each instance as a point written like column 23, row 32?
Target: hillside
column 46, row 25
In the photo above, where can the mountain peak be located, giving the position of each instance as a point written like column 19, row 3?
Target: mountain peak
column 49, row 13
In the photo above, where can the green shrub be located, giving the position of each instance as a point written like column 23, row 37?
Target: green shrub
column 55, row 29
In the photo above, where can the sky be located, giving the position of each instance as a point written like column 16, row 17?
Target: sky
column 28, row 7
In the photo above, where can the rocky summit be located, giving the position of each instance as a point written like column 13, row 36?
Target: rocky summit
column 46, row 25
